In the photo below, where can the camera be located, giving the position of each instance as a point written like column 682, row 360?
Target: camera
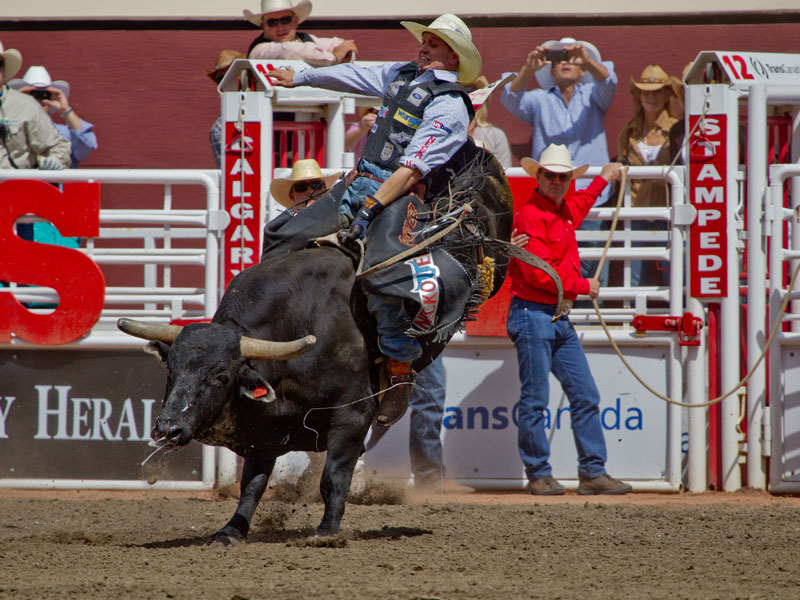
column 556, row 56
column 42, row 94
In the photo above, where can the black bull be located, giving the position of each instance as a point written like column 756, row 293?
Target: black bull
column 311, row 388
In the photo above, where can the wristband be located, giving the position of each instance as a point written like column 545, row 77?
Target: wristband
column 373, row 205
column 66, row 113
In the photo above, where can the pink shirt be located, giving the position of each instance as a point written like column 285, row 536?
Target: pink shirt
column 317, row 52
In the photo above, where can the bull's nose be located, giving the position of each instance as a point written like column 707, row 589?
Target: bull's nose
column 174, row 433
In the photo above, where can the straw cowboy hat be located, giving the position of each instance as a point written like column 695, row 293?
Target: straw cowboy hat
column 38, row 77
column 302, row 9
column 13, row 61
column 302, row 170
column 224, row 60
column 545, row 77
column 457, row 35
column 652, row 78
column 554, row 158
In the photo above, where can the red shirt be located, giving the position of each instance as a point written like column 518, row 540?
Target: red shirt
column 552, row 238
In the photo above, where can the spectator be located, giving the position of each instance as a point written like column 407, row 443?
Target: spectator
column 355, row 138
column 53, row 97
column 279, row 20
column 677, row 109
column 301, row 189
column 29, row 139
column 569, row 108
column 545, row 227
column 304, row 185
column 485, row 134
column 224, row 60
column 427, row 411
column 644, row 140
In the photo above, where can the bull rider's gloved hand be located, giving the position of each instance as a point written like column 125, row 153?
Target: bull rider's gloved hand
column 48, row 163
column 364, row 217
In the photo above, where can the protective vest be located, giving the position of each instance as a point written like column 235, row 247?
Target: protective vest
column 401, row 115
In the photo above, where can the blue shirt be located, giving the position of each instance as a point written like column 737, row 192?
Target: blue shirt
column 83, row 141
column 444, row 122
column 579, row 125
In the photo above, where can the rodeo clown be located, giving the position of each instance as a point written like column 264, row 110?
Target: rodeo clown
column 422, row 123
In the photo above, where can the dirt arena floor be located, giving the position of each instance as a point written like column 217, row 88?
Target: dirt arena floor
column 445, row 544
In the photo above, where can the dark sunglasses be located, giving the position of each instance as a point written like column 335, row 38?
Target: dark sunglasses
column 283, row 21
column 302, row 186
column 550, row 176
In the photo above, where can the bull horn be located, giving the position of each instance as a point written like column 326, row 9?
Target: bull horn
column 264, row 350
column 149, row 331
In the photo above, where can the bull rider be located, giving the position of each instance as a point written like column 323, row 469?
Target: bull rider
column 421, row 124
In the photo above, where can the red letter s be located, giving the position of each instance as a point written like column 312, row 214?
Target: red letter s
column 77, row 279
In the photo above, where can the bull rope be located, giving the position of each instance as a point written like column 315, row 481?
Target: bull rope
column 741, row 382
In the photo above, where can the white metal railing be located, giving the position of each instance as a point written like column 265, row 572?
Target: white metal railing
column 784, row 474
column 144, row 238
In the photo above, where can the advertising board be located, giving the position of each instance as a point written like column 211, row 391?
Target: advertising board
column 85, row 414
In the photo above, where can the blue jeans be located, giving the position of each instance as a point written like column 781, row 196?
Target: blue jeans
column 543, row 346
column 643, row 270
column 356, row 192
column 388, row 312
column 427, row 409
column 390, row 320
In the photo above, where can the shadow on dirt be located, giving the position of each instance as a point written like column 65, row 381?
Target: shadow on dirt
column 296, row 537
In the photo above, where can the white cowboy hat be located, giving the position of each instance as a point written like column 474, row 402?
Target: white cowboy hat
column 38, row 77
column 13, row 61
column 302, row 9
column 457, row 35
column 554, row 158
column 545, row 77
column 302, row 170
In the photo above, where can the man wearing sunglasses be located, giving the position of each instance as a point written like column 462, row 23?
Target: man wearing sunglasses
column 546, row 227
column 279, row 20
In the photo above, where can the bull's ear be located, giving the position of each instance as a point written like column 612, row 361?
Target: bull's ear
column 158, row 349
column 254, row 386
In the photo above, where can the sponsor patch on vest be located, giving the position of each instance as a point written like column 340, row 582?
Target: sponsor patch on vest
column 394, row 87
column 417, row 96
column 374, row 128
column 407, row 119
column 382, row 111
column 425, row 275
column 401, row 137
column 386, row 153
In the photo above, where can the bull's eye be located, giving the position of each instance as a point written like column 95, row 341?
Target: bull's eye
column 223, row 379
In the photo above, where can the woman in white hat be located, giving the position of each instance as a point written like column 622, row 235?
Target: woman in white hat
column 280, row 39
column 304, row 185
column 644, row 140
column 546, row 342
column 422, row 123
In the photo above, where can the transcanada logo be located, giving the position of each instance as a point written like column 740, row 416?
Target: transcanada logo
column 426, row 283
column 613, row 418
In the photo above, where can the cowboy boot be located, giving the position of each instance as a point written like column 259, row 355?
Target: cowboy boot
column 394, row 402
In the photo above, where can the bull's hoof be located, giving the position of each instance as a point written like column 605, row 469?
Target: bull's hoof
column 226, row 538
column 325, row 532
